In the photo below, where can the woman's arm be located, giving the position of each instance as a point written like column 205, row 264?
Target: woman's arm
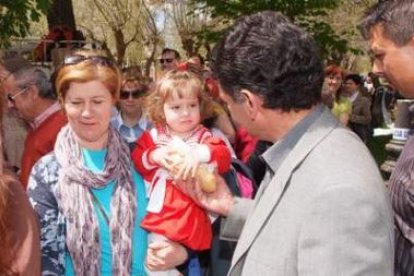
column 42, row 182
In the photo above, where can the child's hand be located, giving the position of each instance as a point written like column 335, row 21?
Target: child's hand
column 165, row 156
column 187, row 167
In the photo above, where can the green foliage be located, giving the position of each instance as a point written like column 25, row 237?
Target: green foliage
column 307, row 13
column 16, row 16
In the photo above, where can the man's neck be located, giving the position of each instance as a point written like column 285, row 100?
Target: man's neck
column 41, row 106
column 285, row 122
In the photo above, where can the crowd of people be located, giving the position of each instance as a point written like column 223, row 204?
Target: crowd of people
column 256, row 165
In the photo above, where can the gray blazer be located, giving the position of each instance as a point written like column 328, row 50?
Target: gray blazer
column 325, row 212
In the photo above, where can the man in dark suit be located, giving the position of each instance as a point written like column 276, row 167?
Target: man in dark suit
column 360, row 119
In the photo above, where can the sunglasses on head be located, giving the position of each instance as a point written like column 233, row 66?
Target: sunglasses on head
column 135, row 94
column 166, row 60
column 75, row 59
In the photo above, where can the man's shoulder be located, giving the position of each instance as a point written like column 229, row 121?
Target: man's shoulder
column 50, row 127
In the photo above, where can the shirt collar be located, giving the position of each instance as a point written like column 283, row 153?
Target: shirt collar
column 353, row 97
column 143, row 122
column 45, row 114
column 279, row 151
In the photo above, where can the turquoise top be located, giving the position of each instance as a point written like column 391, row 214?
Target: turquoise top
column 94, row 160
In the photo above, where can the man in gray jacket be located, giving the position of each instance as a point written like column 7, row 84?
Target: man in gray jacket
column 322, row 208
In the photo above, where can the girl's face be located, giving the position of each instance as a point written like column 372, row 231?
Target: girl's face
column 182, row 115
column 88, row 107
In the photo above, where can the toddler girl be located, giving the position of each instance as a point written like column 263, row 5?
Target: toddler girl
column 173, row 151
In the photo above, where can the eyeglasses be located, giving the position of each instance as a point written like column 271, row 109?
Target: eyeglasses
column 166, row 60
column 11, row 97
column 134, row 94
column 75, row 59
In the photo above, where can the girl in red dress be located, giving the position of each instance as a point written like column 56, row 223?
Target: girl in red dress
column 172, row 151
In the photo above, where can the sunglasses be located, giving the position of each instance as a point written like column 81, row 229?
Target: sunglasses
column 75, row 59
column 166, row 60
column 11, row 98
column 135, row 94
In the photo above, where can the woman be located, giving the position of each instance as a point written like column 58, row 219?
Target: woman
column 89, row 199
column 19, row 230
column 340, row 106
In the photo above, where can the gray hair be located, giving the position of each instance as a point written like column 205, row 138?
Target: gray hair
column 37, row 76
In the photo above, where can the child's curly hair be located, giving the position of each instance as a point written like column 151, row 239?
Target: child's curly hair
column 178, row 84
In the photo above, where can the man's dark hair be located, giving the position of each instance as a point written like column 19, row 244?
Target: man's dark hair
column 271, row 57
column 169, row 50
column 357, row 79
column 395, row 16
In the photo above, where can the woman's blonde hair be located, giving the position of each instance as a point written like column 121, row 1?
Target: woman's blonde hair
column 177, row 84
column 84, row 66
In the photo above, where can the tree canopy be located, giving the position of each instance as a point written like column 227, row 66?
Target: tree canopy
column 310, row 14
column 16, row 16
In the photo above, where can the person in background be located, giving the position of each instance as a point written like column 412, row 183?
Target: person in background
column 88, row 197
column 30, row 94
column 130, row 120
column 332, row 95
column 360, row 119
column 170, row 58
column 388, row 28
column 319, row 209
column 19, row 229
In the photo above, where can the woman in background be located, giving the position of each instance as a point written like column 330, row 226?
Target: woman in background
column 332, row 96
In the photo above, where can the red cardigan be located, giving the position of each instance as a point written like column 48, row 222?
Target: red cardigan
column 39, row 142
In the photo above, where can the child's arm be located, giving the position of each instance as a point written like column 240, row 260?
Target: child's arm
column 144, row 146
column 147, row 157
column 219, row 153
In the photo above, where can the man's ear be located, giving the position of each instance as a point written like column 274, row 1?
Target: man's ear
column 252, row 103
column 33, row 92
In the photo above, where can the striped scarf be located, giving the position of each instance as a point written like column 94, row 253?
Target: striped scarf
column 75, row 202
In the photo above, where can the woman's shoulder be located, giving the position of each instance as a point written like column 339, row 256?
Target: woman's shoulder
column 45, row 172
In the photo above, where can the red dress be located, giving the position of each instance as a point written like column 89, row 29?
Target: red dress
column 180, row 219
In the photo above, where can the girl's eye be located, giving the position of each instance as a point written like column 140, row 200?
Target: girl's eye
column 97, row 101
column 75, row 103
column 175, row 107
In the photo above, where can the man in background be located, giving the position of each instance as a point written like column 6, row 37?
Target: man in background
column 169, row 60
column 388, row 27
column 29, row 93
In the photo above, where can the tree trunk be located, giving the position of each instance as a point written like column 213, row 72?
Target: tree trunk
column 61, row 13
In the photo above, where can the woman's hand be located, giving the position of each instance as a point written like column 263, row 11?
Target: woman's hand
column 164, row 255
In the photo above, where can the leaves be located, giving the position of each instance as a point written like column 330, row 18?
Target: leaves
column 16, row 16
column 309, row 14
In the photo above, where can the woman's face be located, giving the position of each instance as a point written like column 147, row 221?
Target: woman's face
column 89, row 107
column 333, row 83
